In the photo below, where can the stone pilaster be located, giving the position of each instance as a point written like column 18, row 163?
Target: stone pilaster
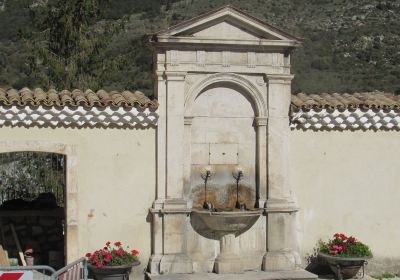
column 170, row 211
column 280, row 253
column 261, row 158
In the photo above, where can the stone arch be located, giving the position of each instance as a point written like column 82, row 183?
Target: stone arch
column 71, row 192
column 249, row 88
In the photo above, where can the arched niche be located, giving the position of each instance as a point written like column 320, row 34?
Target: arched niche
column 222, row 130
column 247, row 87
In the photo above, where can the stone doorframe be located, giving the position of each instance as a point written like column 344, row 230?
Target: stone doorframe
column 71, row 188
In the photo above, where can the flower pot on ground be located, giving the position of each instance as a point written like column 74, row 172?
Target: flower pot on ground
column 112, row 262
column 345, row 255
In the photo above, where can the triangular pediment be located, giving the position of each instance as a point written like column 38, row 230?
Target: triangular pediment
column 229, row 30
column 227, row 23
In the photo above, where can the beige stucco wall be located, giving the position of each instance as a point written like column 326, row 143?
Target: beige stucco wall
column 115, row 180
column 348, row 182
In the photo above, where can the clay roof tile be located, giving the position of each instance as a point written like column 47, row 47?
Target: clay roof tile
column 76, row 97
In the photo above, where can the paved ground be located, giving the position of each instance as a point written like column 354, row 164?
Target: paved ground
column 251, row 275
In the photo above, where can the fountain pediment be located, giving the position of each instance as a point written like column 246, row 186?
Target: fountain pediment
column 226, row 25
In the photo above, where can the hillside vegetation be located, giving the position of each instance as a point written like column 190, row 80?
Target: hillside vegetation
column 347, row 45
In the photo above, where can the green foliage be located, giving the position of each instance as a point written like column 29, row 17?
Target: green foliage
column 385, row 275
column 27, row 174
column 68, row 48
column 347, row 45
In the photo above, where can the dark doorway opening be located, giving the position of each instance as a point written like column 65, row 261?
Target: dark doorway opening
column 32, row 207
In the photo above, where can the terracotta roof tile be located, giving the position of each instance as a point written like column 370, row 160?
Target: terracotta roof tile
column 65, row 98
column 342, row 101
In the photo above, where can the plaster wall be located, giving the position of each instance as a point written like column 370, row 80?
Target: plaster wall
column 114, row 176
column 348, row 182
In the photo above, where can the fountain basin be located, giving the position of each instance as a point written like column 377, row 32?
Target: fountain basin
column 227, row 225
column 228, row 222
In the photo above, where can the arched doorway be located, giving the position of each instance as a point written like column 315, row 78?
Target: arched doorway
column 32, row 206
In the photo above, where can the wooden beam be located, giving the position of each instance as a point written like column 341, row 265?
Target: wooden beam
column 20, row 252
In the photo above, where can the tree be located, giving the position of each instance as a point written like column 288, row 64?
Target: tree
column 67, row 47
column 25, row 175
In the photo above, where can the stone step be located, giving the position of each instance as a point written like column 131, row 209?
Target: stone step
column 250, row 275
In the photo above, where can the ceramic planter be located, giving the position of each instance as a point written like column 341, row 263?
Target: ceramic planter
column 120, row 272
column 344, row 267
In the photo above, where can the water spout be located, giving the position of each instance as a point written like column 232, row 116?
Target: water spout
column 206, row 176
column 238, row 176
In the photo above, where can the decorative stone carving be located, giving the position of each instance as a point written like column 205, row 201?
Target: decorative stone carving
column 251, row 59
column 201, row 58
column 225, row 59
column 174, row 58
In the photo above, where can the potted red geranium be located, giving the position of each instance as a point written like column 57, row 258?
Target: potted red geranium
column 345, row 255
column 112, row 262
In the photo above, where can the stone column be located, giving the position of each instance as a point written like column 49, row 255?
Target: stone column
column 261, row 159
column 187, row 154
column 157, row 218
column 175, row 133
column 170, row 210
column 280, row 253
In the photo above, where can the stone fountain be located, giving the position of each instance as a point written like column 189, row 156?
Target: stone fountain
column 223, row 87
column 226, row 224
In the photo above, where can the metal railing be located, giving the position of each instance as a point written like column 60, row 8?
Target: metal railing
column 76, row 270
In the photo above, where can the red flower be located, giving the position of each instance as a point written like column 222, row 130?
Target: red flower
column 352, row 239
column 104, row 252
column 108, row 243
column 88, row 255
column 119, row 252
column 134, row 252
column 99, row 265
column 343, row 236
column 108, row 258
column 336, row 235
column 117, row 243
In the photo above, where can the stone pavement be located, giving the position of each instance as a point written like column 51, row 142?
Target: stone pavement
column 250, row 275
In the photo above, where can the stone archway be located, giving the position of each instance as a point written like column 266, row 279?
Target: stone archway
column 71, row 193
column 231, row 78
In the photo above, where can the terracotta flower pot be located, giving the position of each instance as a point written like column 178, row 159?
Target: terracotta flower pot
column 119, row 272
column 344, row 267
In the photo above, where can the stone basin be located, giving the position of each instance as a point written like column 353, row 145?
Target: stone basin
column 227, row 225
column 228, row 222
